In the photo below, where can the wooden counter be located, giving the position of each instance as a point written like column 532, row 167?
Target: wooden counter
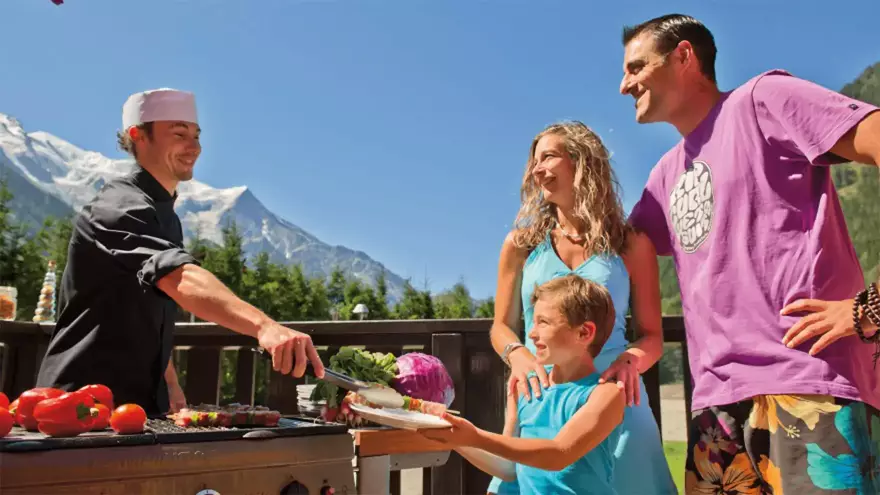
column 246, row 466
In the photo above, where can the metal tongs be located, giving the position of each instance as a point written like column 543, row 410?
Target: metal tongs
column 374, row 393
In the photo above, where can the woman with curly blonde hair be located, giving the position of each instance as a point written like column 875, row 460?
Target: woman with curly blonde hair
column 571, row 221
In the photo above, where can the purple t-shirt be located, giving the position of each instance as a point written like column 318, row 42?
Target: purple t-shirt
column 746, row 206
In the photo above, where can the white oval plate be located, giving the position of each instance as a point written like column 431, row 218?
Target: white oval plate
column 400, row 418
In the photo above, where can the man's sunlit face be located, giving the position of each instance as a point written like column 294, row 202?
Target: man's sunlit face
column 650, row 79
column 173, row 149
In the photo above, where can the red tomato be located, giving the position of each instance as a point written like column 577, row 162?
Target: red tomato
column 128, row 418
column 103, row 419
column 4, row 401
column 101, row 394
column 5, row 422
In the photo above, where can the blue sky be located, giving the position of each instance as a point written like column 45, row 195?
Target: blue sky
column 399, row 128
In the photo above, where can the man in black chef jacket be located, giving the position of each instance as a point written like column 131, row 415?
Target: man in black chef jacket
column 127, row 267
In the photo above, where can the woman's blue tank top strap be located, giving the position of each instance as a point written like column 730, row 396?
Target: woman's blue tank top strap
column 608, row 270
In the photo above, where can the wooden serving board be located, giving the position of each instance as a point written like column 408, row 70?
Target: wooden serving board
column 386, row 441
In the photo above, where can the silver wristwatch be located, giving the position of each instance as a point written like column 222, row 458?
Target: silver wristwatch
column 505, row 354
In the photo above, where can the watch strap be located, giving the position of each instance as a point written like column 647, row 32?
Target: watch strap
column 505, row 355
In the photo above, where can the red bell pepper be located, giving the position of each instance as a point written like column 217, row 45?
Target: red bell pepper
column 12, row 408
column 4, row 401
column 27, row 401
column 101, row 394
column 68, row 415
column 60, row 429
column 102, row 422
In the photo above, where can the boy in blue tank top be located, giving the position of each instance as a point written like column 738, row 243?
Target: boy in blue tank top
column 563, row 440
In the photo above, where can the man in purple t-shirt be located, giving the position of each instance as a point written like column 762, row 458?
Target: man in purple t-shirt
column 786, row 396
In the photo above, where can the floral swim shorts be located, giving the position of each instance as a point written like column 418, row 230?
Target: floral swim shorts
column 792, row 444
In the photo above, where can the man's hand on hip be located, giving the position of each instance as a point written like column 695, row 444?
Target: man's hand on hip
column 828, row 320
column 290, row 350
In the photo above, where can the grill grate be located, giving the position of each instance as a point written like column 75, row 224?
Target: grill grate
column 163, row 430
column 167, row 432
column 167, row 426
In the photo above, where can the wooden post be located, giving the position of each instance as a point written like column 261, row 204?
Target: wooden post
column 394, row 482
column 449, row 348
column 22, row 363
column 282, row 392
column 486, row 395
column 203, row 375
column 652, row 386
column 244, row 376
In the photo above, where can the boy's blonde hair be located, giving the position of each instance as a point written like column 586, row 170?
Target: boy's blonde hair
column 580, row 300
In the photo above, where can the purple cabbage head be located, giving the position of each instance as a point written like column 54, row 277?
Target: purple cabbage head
column 422, row 376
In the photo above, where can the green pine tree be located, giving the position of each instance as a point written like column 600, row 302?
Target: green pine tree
column 486, row 309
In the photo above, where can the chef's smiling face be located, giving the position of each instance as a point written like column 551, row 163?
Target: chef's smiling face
column 172, row 151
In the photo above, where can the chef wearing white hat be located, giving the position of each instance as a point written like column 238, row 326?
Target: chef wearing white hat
column 128, row 270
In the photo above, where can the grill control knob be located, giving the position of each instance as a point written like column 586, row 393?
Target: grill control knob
column 295, row 488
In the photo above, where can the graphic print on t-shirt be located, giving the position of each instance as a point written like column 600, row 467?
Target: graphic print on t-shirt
column 692, row 206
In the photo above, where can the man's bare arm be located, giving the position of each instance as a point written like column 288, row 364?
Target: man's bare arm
column 201, row 293
column 862, row 143
column 198, row 291
column 171, row 374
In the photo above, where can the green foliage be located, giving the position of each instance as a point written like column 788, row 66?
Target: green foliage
column 24, row 256
column 455, row 303
column 414, row 305
column 866, row 87
column 676, row 455
column 486, row 309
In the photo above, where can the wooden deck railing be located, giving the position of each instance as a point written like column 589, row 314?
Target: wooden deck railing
column 462, row 345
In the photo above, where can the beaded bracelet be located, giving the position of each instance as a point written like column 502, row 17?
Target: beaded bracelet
column 872, row 307
column 868, row 301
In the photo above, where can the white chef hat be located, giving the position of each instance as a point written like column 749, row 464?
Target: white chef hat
column 159, row 104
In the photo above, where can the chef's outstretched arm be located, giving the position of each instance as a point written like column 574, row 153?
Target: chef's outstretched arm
column 198, row 291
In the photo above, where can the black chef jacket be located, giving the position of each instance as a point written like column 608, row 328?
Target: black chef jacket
column 115, row 326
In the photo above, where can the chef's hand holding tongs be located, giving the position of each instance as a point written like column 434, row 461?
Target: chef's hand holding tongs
column 291, row 350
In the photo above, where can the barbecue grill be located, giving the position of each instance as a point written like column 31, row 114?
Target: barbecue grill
column 300, row 456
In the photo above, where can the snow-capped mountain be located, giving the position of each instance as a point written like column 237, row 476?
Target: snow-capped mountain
column 50, row 176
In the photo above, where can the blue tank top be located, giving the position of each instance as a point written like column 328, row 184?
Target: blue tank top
column 543, row 417
column 543, row 264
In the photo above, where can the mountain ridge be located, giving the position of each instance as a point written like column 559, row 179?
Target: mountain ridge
column 51, row 177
